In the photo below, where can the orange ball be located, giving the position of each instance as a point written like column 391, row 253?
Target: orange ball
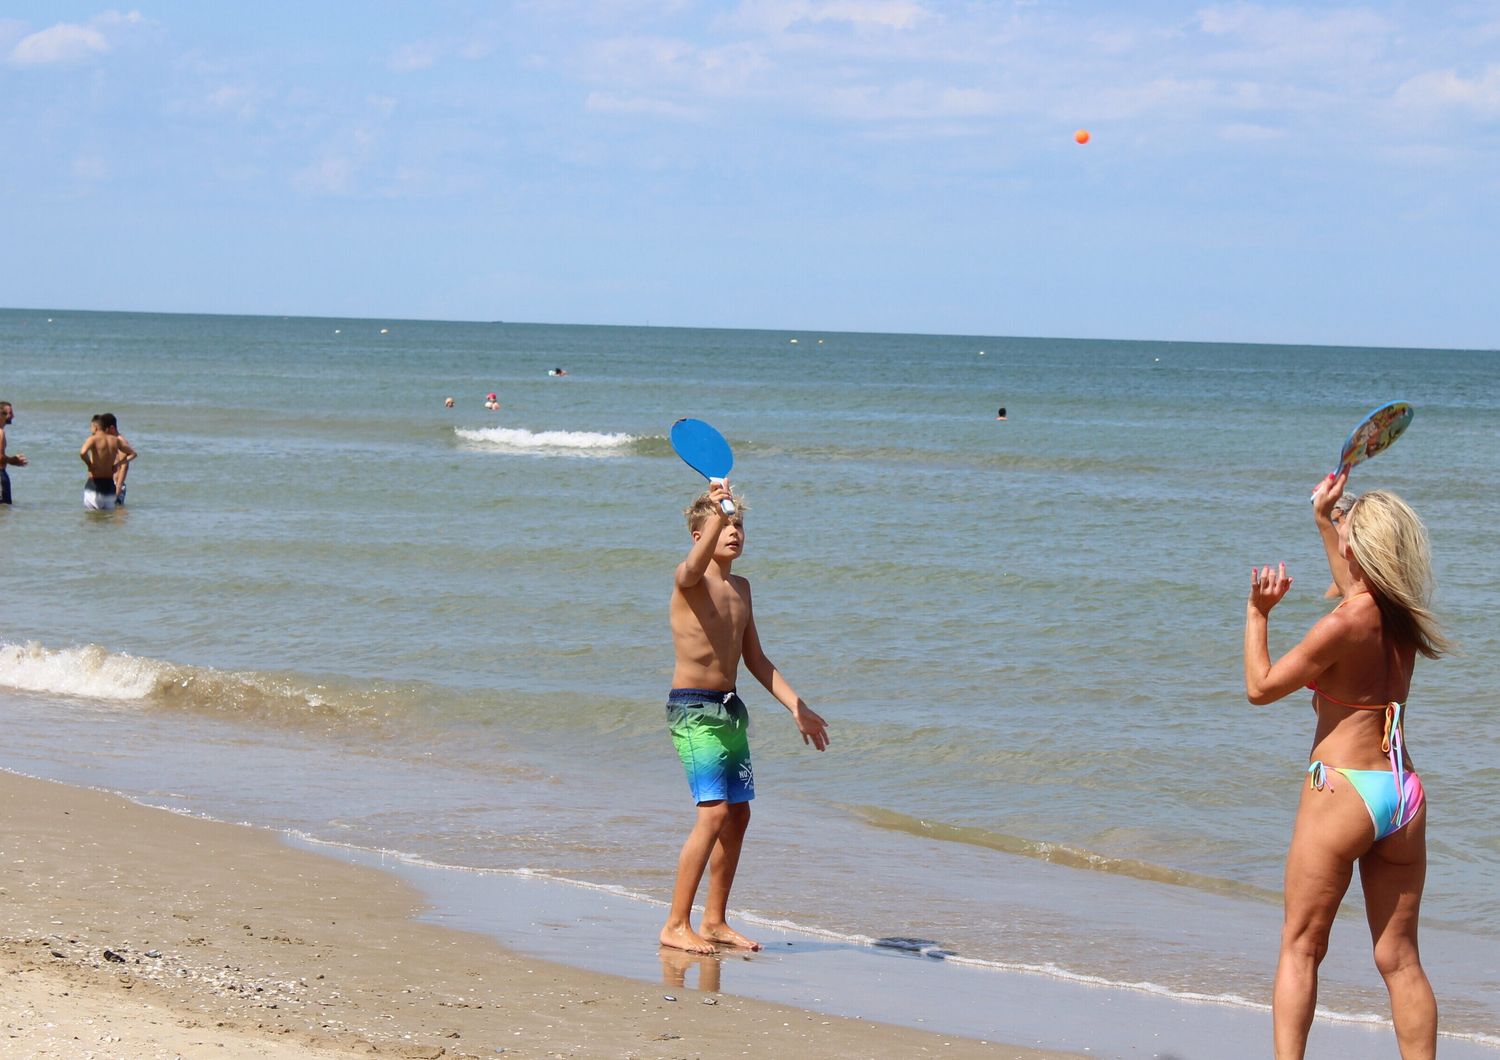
column 1082, row 136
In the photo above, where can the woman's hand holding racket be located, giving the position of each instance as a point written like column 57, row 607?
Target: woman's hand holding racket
column 1327, row 494
column 1267, row 586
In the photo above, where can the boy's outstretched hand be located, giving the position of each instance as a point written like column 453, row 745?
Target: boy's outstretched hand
column 811, row 725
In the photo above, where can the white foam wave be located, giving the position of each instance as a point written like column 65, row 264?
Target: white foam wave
column 518, row 439
column 93, row 672
column 89, row 671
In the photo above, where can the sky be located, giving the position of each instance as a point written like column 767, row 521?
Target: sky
column 1256, row 172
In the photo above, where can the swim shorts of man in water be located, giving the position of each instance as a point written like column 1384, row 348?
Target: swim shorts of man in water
column 712, row 733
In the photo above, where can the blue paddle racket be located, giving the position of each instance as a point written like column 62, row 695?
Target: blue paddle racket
column 705, row 451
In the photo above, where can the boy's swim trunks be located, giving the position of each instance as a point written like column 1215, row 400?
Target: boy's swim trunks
column 712, row 733
column 99, row 494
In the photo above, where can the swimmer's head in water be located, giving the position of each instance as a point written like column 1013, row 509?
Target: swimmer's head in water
column 1343, row 504
column 703, row 506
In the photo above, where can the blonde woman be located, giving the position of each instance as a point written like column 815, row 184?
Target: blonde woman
column 1362, row 803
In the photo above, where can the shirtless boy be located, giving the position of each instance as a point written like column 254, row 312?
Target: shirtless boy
column 713, row 629
column 100, row 452
column 111, row 425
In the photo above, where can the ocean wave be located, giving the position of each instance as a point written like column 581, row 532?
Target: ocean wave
column 518, row 439
column 1059, row 854
column 95, row 673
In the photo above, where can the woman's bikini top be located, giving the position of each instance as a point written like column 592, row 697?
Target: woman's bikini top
column 1394, row 716
column 1392, row 742
column 1395, row 734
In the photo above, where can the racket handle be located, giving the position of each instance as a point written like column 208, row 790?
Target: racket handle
column 726, row 505
column 1341, row 469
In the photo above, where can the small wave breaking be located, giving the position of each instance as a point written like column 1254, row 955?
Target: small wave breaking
column 1059, row 853
column 520, row 440
column 95, row 673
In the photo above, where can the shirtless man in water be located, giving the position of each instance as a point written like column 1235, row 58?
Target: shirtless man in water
column 7, row 413
column 713, row 629
column 101, row 453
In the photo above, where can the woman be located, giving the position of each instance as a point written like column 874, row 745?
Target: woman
column 1362, row 802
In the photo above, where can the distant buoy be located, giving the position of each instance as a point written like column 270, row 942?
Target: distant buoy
column 385, row 331
column 793, row 341
column 1082, row 136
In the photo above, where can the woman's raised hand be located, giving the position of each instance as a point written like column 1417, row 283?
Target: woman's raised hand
column 1267, row 586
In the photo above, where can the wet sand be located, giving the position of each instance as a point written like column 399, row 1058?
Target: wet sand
column 135, row 932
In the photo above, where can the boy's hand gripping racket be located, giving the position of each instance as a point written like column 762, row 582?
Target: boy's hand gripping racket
column 705, row 451
column 1376, row 433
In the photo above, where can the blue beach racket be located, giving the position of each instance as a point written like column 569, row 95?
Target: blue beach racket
column 705, row 451
column 1376, row 433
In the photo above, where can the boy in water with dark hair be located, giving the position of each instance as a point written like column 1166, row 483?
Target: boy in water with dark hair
column 713, row 629
column 100, row 453
column 111, row 426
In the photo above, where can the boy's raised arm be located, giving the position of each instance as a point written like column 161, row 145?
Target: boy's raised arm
column 690, row 571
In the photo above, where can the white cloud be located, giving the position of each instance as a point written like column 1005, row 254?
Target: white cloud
column 90, row 168
column 1292, row 36
column 911, row 100
column 328, row 176
column 243, row 101
column 420, row 55
column 1446, row 88
column 609, row 103
column 66, row 42
column 1245, row 132
column 71, row 42
column 776, row 16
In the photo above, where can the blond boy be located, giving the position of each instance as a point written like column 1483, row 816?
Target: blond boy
column 713, row 630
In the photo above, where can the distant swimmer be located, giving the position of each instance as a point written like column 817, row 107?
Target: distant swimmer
column 1001, row 414
column 491, row 402
column 122, row 461
column 100, row 452
column 7, row 414
column 557, row 371
column 447, row 403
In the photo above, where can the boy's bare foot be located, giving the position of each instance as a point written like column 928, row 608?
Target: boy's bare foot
column 729, row 937
column 685, row 938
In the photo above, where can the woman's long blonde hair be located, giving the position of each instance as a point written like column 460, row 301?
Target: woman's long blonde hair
column 1390, row 544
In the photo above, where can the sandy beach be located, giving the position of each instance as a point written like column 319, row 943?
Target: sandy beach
column 135, row 932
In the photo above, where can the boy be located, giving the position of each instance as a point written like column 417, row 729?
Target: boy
column 712, row 630
column 122, row 462
column 100, row 453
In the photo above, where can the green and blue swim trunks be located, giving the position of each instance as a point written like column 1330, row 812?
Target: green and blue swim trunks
column 712, row 733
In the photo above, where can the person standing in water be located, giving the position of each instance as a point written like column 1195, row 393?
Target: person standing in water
column 7, row 460
column 1362, row 804
column 122, row 467
column 101, row 452
column 713, row 630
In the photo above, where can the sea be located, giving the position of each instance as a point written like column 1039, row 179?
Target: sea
column 335, row 607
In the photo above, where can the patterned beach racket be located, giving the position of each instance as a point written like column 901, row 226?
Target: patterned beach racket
column 1376, row 433
column 705, row 451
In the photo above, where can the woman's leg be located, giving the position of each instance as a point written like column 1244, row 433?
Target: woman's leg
column 1333, row 829
column 1393, row 873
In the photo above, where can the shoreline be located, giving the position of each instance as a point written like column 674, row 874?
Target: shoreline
column 260, row 943
column 134, row 931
